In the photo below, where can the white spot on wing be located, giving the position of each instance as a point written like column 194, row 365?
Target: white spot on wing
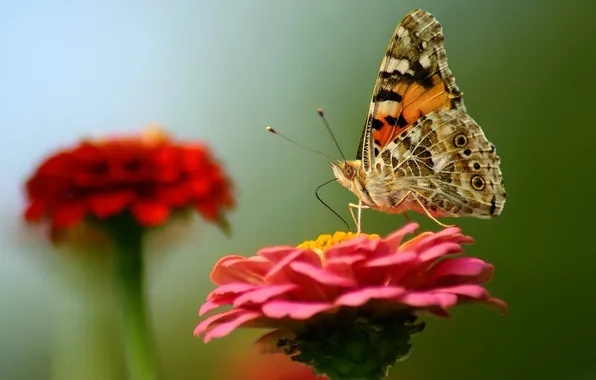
column 440, row 162
column 391, row 64
column 414, row 136
column 389, row 107
column 403, row 65
column 425, row 60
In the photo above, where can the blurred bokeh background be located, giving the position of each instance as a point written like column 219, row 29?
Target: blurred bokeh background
column 222, row 71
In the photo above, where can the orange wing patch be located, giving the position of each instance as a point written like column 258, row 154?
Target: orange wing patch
column 405, row 104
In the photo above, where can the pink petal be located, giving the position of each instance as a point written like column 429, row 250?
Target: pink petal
column 361, row 245
column 215, row 318
column 321, row 275
column 294, row 310
column 231, row 288
column 262, row 294
column 413, row 243
column 497, row 304
column 447, row 232
column 236, row 268
column 440, row 250
column 451, row 234
column 277, row 253
column 435, row 311
column 394, row 259
column 427, row 239
column 426, row 299
column 210, row 305
column 220, row 274
column 395, row 239
column 344, row 266
column 278, row 275
column 345, row 260
column 362, row 296
column 475, row 270
column 472, row 291
column 223, row 329
column 463, row 239
column 463, row 266
column 475, row 294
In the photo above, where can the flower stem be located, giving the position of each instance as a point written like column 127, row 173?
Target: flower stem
column 127, row 238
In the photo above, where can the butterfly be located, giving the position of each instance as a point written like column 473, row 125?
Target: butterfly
column 420, row 150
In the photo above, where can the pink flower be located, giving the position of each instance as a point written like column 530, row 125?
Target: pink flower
column 308, row 292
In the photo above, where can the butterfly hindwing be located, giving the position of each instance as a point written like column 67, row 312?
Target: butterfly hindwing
column 448, row 164
column 413, row 80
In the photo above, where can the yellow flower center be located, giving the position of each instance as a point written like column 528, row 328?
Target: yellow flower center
column 325, row 241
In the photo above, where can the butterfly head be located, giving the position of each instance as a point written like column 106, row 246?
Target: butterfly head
column 348, row 174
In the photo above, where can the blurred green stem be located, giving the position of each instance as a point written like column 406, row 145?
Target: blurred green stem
column 127, row 236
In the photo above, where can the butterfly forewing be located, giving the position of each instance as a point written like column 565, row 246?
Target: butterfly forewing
column 413, row 80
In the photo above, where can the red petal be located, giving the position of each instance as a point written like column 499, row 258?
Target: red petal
column 35, row 211
column 166, row 166
column 193, row 158
column 150, row 213
column 67, row 215
column 175, row 195
column 104, row 205
column 209, row 210
column 200, row 187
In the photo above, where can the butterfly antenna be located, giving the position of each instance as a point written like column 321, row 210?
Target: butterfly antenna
column 326, row 205
column 322, row 115
column 295, row 143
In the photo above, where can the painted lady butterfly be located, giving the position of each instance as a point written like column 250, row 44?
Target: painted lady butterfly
column 420, row 150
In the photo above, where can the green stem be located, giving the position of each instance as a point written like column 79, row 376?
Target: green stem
column 127, row 236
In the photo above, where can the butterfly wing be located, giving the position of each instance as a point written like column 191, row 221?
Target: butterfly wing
column 449, row 166
column 413, row 80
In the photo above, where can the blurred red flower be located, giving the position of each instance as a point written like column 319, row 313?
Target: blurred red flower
column 149, row 174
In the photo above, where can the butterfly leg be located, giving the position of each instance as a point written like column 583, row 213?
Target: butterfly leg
column 408, row 220
column 357, row 221
column 430, row 216
column 405, row 214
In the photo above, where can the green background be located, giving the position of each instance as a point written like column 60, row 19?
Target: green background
column 221, row 72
